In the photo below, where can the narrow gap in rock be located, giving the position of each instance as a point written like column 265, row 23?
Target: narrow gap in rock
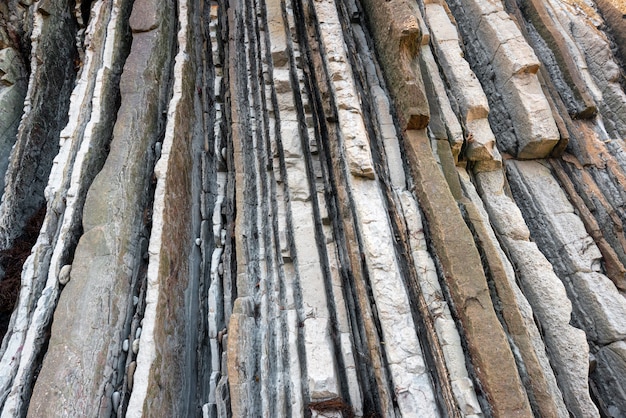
column 271, row 231
column 11, row 262
column 206, row 34
column 85, row 10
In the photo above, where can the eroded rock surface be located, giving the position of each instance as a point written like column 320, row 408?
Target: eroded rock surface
column 312, row 208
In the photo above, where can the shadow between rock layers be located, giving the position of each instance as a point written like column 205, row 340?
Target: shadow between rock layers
column 329, row 208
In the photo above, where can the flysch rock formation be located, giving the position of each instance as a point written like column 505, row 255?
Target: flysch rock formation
column 320, row 208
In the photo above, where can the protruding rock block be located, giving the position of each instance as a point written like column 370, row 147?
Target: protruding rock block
column 145, row 17
column 509, row 51
column 276, row 29
column 464, row 85
column 481, row 145
column 600, row 307
column 465, row 88
column 604, row 75
column 351, row 124
column 397, row 36
column 514, row 65
column 534, row 124
column 555, row 48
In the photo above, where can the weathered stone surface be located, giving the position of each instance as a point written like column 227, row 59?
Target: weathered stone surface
column 505, row 63
column 467, row 284
column 613, row 12
column 72, row 172
column 397, row 35
column 402, row 348
column 510, row 53
column 240, row 356
column 566, row 345
column 446, row 329
column 45, row 113
column 555, row 49
column 605, row 72
column 107, row 253
column 144, row 17
column 538, row 377
column 464, row 87
column 160, row 388
column 546, row 294
column 350, row 118
column 13, row 86
column 610, row 367
column 599, row 307
column 267, row 235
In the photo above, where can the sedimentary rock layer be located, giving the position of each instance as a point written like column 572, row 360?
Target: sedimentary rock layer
column 325, row 208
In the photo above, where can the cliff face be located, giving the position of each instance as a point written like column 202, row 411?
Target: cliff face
column 328, row 208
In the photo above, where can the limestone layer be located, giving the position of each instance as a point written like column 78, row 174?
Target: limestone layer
column 324, row 208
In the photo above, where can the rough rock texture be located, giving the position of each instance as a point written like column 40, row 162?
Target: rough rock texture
column 107, row 259
column 464, row 87
column 325, row 208
column 398, row 30
column 52, row 74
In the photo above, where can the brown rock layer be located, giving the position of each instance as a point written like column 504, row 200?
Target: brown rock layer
column 397, row 30
column 461, row 267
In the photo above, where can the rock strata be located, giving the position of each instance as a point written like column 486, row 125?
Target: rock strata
column 325, row 208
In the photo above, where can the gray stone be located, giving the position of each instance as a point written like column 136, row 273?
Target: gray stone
column 45, row 114
column 100, row 284
column 546, row 294
column 12, row 95
column 64, row 274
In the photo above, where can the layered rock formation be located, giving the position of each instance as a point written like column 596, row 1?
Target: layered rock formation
column 328, row 208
